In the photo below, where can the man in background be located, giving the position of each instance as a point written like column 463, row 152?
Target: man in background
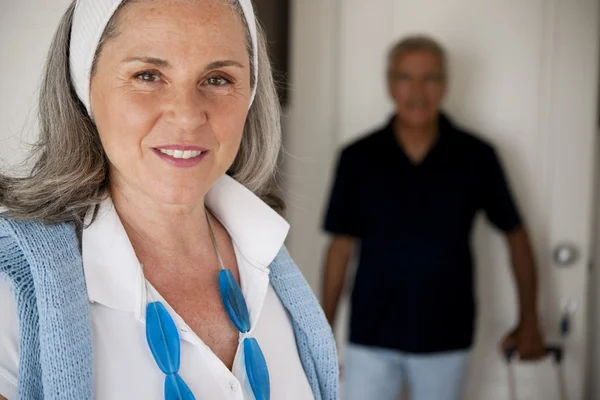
column 405, row 197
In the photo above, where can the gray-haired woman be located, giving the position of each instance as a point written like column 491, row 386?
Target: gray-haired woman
column 152, row 198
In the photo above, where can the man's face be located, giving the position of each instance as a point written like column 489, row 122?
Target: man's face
column 417, row 85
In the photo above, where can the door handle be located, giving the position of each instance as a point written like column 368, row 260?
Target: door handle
column 565, row 254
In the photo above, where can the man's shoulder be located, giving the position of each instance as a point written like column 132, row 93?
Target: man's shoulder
column 471, row 142
column 366, row 143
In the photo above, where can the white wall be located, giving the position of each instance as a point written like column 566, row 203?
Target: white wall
column 311, row 137
column 26, row 29
column 593, row 383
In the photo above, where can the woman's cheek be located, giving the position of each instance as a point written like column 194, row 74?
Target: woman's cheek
column 134, row 117
column 137, row 108
column 232, row 114
column 124, row 122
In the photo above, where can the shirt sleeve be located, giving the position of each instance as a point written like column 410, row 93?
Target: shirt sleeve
column 342, row 217
column 498, row 201
column 9, row 342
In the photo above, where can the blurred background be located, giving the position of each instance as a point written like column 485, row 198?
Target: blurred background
column 525, row 74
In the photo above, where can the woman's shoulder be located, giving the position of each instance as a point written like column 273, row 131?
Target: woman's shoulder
column 284, row 269
column 8, row 241
column 4, row 217
column 23, row 242
column 292, row 287
column 9, row 341
column 28, row 231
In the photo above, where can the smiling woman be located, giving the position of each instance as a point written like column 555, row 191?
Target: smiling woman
column 143, row 255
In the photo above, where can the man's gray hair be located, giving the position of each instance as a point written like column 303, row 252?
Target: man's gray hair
column 70, row 172
column 417, row 43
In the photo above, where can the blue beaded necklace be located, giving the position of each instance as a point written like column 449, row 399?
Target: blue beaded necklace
column 163, row 338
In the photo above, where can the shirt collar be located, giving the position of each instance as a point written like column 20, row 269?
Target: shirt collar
column 112, row 272
column 445, row 124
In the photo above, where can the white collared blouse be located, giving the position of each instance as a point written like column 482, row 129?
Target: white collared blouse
column 123, row 364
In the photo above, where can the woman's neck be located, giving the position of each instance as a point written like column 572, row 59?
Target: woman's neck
column 157, row 228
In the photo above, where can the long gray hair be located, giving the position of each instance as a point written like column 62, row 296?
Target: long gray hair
column 70, row 172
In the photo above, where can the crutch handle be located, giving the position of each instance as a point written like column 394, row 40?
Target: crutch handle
column 555, row 351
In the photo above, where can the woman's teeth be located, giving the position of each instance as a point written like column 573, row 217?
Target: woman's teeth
column 184, row 154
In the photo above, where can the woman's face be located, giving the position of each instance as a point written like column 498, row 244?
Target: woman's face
column 170, row 96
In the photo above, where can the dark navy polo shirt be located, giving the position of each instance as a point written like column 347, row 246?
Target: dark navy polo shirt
column 413, row 290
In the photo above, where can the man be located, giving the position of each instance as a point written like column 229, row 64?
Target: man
column 405, row 196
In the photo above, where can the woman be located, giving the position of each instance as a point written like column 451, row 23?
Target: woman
column 152, row 196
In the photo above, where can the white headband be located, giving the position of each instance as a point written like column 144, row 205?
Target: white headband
column 90, row 20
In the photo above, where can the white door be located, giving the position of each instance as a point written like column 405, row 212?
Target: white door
column 525, row 75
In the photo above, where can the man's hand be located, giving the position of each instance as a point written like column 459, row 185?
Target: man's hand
column 527, row 340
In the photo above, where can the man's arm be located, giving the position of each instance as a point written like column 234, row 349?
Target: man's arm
column 334, row 273
column 501, row 209
column 525, row 274
column 526, row 338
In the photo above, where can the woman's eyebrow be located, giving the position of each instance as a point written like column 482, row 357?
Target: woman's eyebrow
column 223, row 63
column 159, row 62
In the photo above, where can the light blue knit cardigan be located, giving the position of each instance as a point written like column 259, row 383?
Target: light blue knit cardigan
column 44, row 265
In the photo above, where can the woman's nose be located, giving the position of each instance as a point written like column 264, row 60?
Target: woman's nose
column 189, row 109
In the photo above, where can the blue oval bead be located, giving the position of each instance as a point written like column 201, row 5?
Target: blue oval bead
column 177, row 389
column 163, row 338
column 233, row 300
column 256, row 369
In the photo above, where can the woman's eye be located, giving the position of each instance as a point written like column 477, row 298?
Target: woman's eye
column 217, row 81
column 148, row 77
